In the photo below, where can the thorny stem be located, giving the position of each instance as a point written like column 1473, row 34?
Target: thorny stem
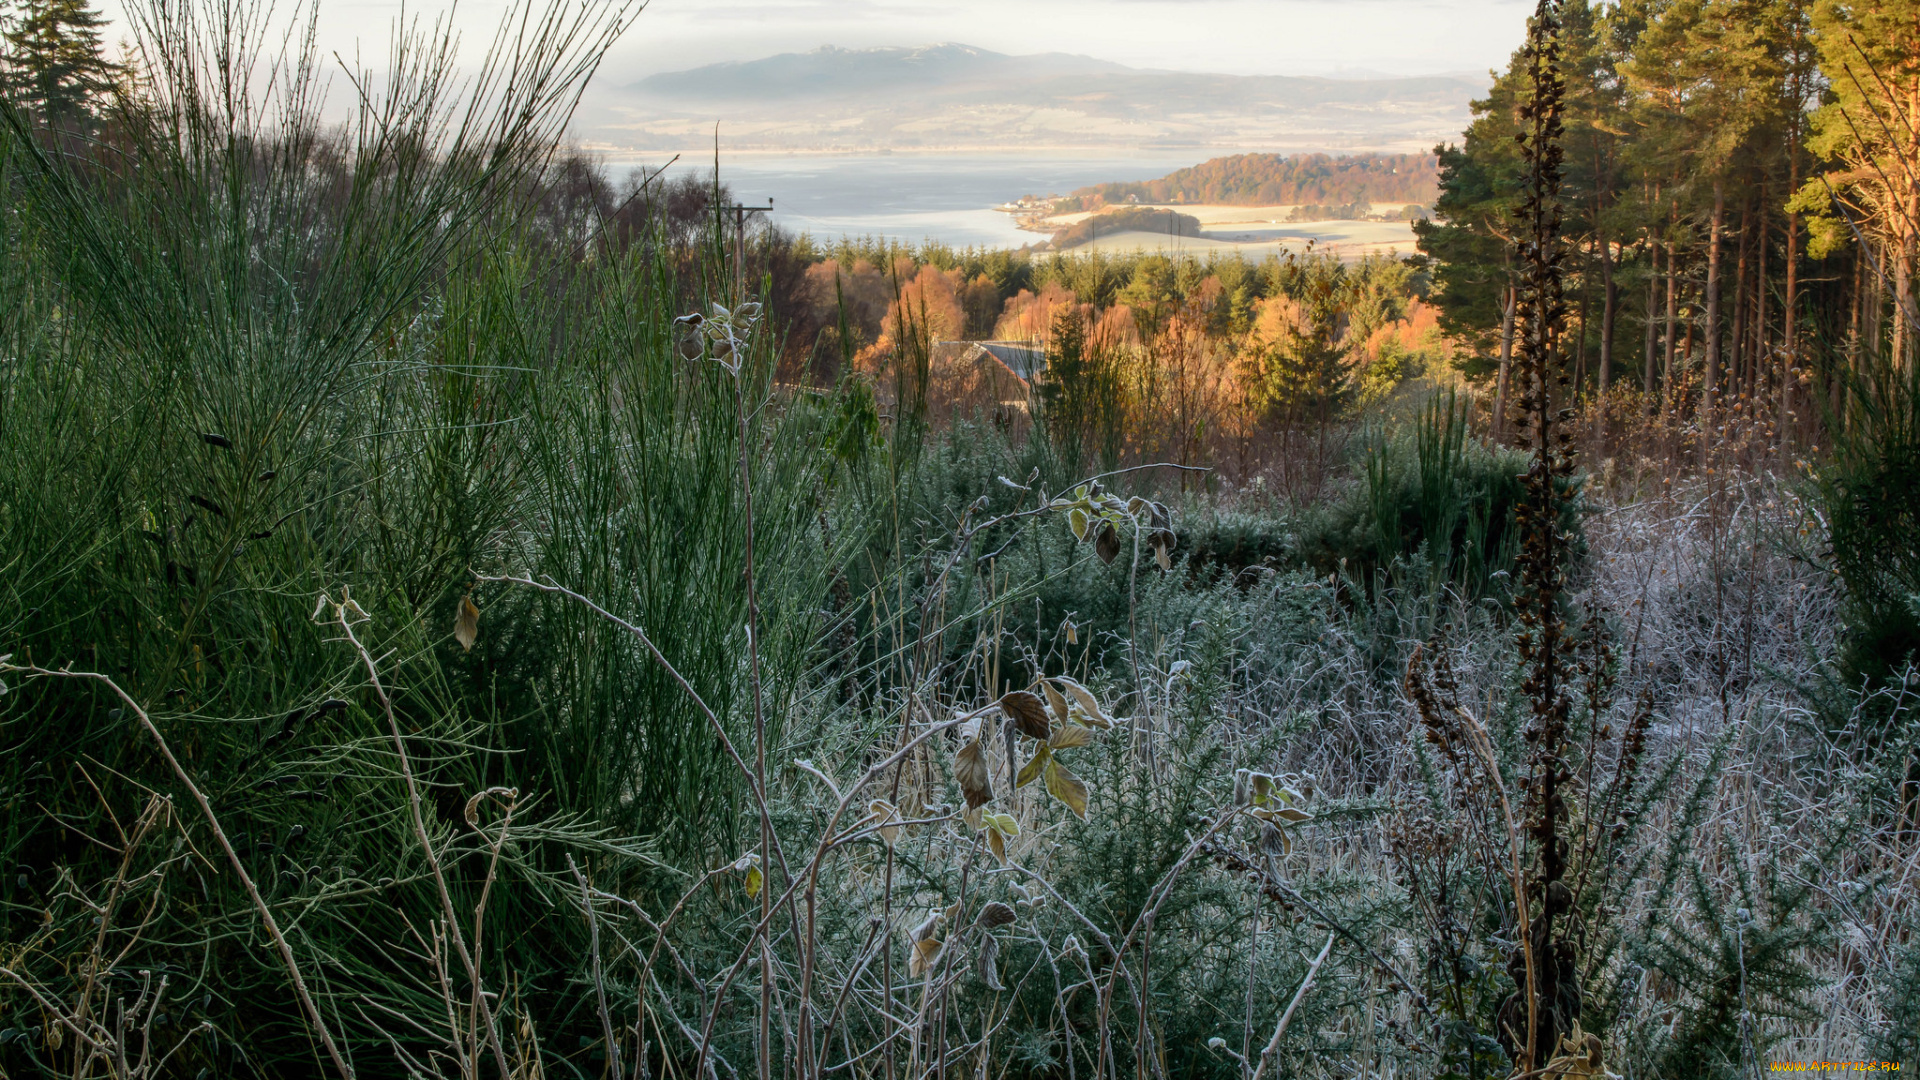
column 206, row 809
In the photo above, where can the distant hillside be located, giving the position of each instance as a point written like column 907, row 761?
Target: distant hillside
column 1275, row 180
column 957, row 97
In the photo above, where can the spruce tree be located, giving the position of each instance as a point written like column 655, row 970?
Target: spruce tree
column 55, row 63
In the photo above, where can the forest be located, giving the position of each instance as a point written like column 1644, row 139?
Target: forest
column 1278, row 180
column 466, row 613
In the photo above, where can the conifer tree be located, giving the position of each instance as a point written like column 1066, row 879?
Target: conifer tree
column 56, row 65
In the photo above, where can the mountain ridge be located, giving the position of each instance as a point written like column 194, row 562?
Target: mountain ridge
column 951, row 95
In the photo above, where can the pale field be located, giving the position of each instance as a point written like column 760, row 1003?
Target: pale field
column 1254, row 232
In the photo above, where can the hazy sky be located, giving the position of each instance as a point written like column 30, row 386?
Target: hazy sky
column 1252, row 37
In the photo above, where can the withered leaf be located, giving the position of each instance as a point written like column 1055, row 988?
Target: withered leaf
column 970, row 769
column 1055, row 701
column 1107, row 544
column 885, row 813
column 1087, row 702
column 988, row 965
column 1063, row 785
column 1031, row 772
column 997, row 843
column 1274, row 840
column 922, row 958
column 466, row 625
column 993, row 914
column 1069, row 736
column 1027, row 714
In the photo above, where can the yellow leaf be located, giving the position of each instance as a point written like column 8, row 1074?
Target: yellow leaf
column 1034, row 764
column 997, row 843
column 923, row 956
column 1002, row 823
column 754, row 881
column 1063, row 785
column 883, row 811
column 1077, row 521
column 466, row 625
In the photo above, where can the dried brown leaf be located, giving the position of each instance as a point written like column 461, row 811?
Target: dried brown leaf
column 923, row 956
column 1089, row 704
column 970, row 769
column 1107, row 544
column 987, row 960
column 1027, row 713
column 466, row 625
column 1069, row 736
column 1055, row 701
column 993, row 914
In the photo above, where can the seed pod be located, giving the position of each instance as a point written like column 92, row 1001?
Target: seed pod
column 220, row 441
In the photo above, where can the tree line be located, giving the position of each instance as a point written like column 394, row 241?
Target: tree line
column 1742, row 190
column 1279, row 180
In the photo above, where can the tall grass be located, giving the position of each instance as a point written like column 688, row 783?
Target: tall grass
column 253, row 359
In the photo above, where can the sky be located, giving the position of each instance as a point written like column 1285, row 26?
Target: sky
column 1242, row 37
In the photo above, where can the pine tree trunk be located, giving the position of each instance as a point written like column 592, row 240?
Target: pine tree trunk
column 1608, row 304
column 1673, row 326
column 1710, row 379
column 1653, row 316
column 1790, row 310
column 1902, row 327
column 1756, row 378
column 1737, row 323
column 1506, row 362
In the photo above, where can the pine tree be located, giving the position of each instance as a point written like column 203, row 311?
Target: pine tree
column 56, row 65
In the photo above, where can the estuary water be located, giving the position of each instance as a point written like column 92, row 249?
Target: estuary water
column 915, row 197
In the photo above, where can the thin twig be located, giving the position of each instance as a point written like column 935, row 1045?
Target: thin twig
column 1280, row 1029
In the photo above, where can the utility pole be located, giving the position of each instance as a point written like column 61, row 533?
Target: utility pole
column 740, row 244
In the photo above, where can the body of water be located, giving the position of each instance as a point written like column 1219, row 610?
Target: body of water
column 916, row 197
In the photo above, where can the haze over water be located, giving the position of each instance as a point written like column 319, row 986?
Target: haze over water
column 913, row 197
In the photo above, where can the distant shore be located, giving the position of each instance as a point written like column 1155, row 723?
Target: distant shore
column 1252, row 231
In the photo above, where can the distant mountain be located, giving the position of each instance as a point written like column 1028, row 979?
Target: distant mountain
column 831, row 72
column 951, row 96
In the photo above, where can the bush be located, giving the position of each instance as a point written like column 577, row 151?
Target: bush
column 1869, row 491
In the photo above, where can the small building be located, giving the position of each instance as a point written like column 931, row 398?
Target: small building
column 994, row 375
